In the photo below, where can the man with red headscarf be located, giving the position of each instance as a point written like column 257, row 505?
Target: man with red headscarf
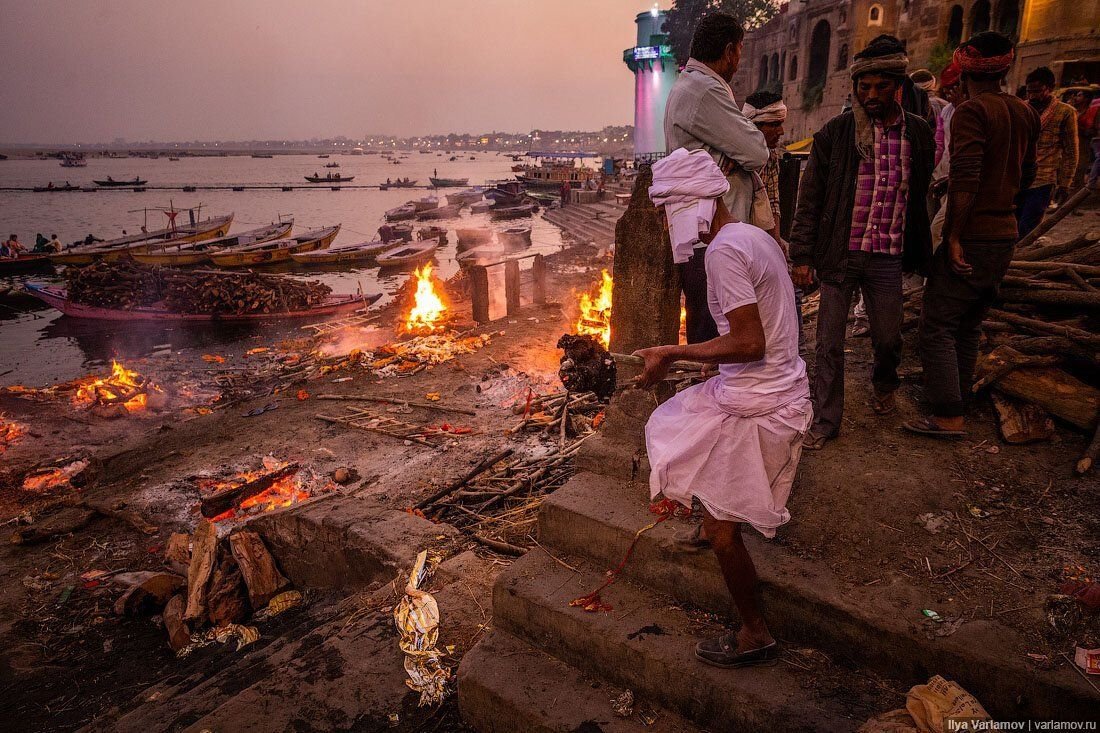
column 993, row 137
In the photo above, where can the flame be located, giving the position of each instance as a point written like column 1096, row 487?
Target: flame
column 122, row 381
column 595, row 317
column 52, row 478
column 428, row 308
column 10, row 432
column 286, row 491
column 683, row 324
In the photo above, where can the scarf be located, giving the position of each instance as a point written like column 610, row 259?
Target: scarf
column 891, row 65
column 970, row 60
column 687, row 184
column 775, row 112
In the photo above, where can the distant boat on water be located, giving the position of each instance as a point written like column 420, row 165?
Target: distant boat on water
column 449, row 182
column 112, row 183
column 399, row 183
column 330, row 178
column 262, row 155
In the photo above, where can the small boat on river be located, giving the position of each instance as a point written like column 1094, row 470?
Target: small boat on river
column 194, row 253
column 412, row 253
column 112, row 183
column 440, row 212
column 27, row 262
column 470, row 237
column 401, row 213
column 115, row 249
column 399, row 183
column 448, row 182
column 275, row 250
column 515, row 237
column 498, row 213
column 345, row 253
column 330, row 178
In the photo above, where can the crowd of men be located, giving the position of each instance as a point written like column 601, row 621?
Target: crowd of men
column 916, row 181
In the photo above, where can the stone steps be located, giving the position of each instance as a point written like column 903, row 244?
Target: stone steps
column 531, row 601
column 879, row 628
column 508, row 685
column 582, row 221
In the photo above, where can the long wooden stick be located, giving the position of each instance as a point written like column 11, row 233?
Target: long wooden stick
column 392, row 401
column 1060, row 213
column 381, row 431
column 686, row 366
column 1032, row 324
column 474, row 472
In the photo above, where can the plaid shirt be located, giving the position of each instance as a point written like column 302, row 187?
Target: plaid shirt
column 770, row 174
column 1056, row 152
column 882, row 193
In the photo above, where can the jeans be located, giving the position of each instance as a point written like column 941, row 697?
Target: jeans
column 1031, row 205
column 693, row 281
column 951, row 318
column 878, row 278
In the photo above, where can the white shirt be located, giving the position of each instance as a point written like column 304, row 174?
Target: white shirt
column 745, row 265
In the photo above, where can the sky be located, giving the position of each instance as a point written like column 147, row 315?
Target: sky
column 95, row 70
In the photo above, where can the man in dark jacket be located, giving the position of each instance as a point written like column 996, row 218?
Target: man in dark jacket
column 860, row 223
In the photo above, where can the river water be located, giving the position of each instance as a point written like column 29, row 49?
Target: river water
column 38, row 345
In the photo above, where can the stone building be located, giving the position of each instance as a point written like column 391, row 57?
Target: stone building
column 805, row 50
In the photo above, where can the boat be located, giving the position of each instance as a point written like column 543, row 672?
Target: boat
column 194, row 253
column 330, row 178
column 51, row 188
column 506, row 193
column 399, row 183
column 358, row 252
column 112, row 183
column 432, row 232
column 275, row 250
column 480, row 255
column 520, row 168
column 470, row 237
column 58, row 298
column 440, row 212
column 113, row 249
column 481, row 207
column 333, row 164
column 322, row 156
column 464, row 198
column 411, row 253
column 401, row 213
column 553, row 172
column 449, row 182
column 395, row 232
column 73, row 160
column 424, row 204
column 26, row 262
column 545, row 199
column 173, row 159
column 262, row 155
column 498, row 213
column 515, row 237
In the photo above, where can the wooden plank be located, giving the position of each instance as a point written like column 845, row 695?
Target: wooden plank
column 1052, row 389
column 224, row 500
column 257, row 566
column 203, row 557
column 511, row 286
column 479, row 293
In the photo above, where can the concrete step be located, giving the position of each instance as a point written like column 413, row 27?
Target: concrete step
column 582, row 223
column 879, row 628
column 647, row 644
column 507, row 686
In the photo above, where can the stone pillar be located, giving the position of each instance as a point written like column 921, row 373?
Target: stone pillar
column 645, row 306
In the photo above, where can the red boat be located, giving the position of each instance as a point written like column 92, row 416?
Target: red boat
column 58, row 298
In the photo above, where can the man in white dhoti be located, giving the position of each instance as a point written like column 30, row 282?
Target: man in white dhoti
column 732, row 443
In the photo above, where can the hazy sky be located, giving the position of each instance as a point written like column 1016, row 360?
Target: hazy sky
column 93, row 70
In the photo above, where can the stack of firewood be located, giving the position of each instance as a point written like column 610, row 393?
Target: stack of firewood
column 129, row 285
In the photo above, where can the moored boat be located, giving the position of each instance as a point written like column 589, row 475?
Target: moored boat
column 554, row 171
column 448, row 182
column 113, row 249
column 424, row 204
column 411, row 253
column 481, row 207
column 194, row 253
column 441, row 212
column 358, row 252
column 464, row 198
column 432, row 232
column 27, row 262
column 275, row 250
column 498, row 213
column 515, row 237
column 112, row 183
column 401, row 213
column 469, row 237
column 395, row 232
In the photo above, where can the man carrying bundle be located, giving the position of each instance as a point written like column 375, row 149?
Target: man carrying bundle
column 732, row 443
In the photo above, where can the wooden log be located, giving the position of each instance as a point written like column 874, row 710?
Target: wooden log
column 177, row 552
column 179, row 634
column 1050, row 297
column 394, row 401
column 538, row 275
column 501, row 547
column 381, row 431
column 512, row 286
column 149, row 595
column 1036, row 326
column 1060, row 213
column 479, row 293
column 257, row 566
column 1057, row 392
column 1059, row 249
column 227, row 601
column 474, row 472
column 684, row 366
column 1085, row 464
column 65, row 522
column 225, row 499
column 204, row 555
column 1021, row 422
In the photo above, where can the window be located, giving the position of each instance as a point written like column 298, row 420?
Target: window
column 874, row 17
column 1008, row 17
column 979, row 17
column 818, row 67
column 775, row 75
column 762, row 75
column 955, row 26
column 842, row 58
column 794, row 69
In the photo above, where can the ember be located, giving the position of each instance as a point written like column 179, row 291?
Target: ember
column 52, row 478
column 595, row 315
column 428, row 308
column 278, row 484
column 10, row 432
column 123, row 386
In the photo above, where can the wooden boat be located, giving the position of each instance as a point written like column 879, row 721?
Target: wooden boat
column 395, row 232
column 401, row 213
column 441, row 212
column 173, row 159
column 424, row 204
column 113, row 249
column 262, row 155
column 448, row 182
column 58, row 298
column 275, row 250
column 194, row 253
column 464, row 198
column 432, row 232
column 333, row 164
column 322, row 156
column 358, row 252
column 46, row 189
column 553, row 172
column 481, row 207
column 112, row 183
column 498, row 213
column 412, row 253
column 469, row 237
column 399, row 183
column 28, row 262
column 330, row 178
column 515, row 237
column 480, row 255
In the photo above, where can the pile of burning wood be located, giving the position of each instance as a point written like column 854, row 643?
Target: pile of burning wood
column 121, row 392
column 129, row 285
column 10, row 432
column 274, row 485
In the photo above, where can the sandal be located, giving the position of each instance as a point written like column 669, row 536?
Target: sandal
column 884, row 404
column 925, row 426
column 722, row 652
column 814, row 442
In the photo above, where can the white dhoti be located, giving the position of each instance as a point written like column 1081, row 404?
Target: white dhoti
column 738, row 463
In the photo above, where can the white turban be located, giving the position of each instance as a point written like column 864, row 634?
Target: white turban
column 774, row 112
column 687, row 184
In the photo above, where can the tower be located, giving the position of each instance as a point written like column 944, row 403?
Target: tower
column 655, row 70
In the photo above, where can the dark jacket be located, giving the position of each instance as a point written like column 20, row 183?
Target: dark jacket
column 827, row 194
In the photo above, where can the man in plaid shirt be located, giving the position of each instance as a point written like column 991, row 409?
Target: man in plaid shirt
column 1056, row 151
column 861, row 222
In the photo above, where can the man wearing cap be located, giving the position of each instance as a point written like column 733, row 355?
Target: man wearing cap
column 993, row 140
column 861, row 221
column 732, row 443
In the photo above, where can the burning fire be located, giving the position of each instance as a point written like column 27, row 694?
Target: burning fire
column 122, row 383
column 428, row 309
column 285, row 491
column 10, row 432
column 52, row 478
column 595, row 317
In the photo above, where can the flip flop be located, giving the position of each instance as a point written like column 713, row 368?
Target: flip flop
column 261, row 410
column 884, row 405
column 924, row 426
column 722, row 652
column 814, row 442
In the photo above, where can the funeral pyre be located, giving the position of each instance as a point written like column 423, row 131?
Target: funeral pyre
column 129, row 285
column 10, row 432
column 594, row 318
column 122, row 391
column 241, row 494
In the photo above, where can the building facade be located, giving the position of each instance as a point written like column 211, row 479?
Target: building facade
column 655, row 70
column 805, row 50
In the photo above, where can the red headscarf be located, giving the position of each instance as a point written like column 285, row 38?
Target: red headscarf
column 950, row 76
column 970, row 60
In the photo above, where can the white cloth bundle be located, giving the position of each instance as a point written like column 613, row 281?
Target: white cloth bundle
column 774, row 112
column 687, row 184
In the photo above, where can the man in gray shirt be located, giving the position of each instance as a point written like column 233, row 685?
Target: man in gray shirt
column 702, row 113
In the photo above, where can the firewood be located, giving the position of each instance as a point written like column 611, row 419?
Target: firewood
column 222, row 501
column 227, row 601
column 179, row 634
column 1057, row 392
column 1021, row 422
column 1084, row 270
column 1055, row 250
column 1050, row 297
column 1037, row 326
column 149, row 595
column 474, row 472
column 65, row 522
column 1075, row 200
column 177, row 552
column 261, row 576
column 1085, row 464
column 204, row 554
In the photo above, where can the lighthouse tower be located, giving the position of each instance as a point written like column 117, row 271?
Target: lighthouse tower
column 655, row 70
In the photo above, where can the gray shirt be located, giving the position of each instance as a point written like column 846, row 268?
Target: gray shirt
column 701, row 113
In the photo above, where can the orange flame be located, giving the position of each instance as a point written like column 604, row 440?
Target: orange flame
column 10, row 432
column 120, row 382
column 52, row 478
column 595, row 317
column 286, row 491
column 428, row 308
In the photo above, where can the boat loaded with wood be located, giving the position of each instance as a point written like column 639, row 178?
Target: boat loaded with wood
column 121, row 247
column 275, row 250
column 194, row 253
column 358, row 252
column 412, row 253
